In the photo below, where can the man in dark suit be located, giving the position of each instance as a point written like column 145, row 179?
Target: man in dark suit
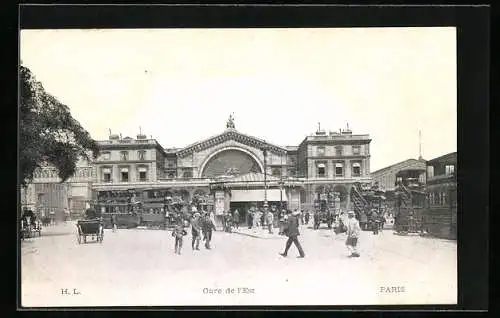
column 292, row 231
column 207, row 228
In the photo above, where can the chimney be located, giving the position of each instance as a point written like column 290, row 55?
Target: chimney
column 347, row 131
column 141, row 135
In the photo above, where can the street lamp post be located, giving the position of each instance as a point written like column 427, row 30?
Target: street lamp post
column 264, row 150
column 281, row 195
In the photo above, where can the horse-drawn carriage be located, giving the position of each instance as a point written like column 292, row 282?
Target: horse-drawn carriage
column 92, row 226
column 323, row 216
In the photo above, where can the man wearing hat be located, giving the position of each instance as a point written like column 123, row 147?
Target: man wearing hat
column 207, row 228
column 196, row 231
column 292, row 231
column 353, row 231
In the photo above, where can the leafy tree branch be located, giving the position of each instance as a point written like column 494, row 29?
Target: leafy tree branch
column 48, row 132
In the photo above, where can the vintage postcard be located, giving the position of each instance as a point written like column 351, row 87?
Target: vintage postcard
column 190, row 167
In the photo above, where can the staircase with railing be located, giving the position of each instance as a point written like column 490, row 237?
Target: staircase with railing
column 405, row 195
column 359, row 202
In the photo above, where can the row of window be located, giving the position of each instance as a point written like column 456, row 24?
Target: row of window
column 52, row 173
column 339, row 150
column 124, row 174
column 442, row 198
column 122, row 209
column 321, row 171
column 124, row 155
column 436, row 171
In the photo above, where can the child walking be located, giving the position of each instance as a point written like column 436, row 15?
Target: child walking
column 179, row 232
column 353, row 231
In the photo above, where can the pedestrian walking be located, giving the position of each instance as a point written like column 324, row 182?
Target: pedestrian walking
column 382, row 222
column 66, row 215
column 374, row 222
column 270, row 221
column 52, row 214
column 263, row 213
column 316, row 219
column 292, row 231
column 306, row 217
column 228, row 221
column 249, row 219
column 113, row 222
column 195, row 231
column 353, row 231
column 236, row 218
column 178, row 233
column 207, row 227
column 256, row 219
column 212, row 217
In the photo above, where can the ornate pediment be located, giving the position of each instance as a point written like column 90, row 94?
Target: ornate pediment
column 230, row 134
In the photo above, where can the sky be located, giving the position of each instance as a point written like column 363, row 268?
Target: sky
column 181, row 85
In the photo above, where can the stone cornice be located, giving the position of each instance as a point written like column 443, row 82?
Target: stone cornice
column 122, row 162
column 230, row 134
column 130, row 146
column 339, row 142
column 339, row 158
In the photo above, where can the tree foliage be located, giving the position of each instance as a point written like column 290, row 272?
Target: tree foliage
column 48, row 133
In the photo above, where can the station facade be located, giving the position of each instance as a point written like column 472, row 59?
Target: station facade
column 232, row 169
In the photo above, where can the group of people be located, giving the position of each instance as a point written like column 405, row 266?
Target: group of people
column 350, row 226
column 376, row 221
column 202, row 226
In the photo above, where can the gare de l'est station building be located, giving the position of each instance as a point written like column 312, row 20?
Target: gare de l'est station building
column 235, row 170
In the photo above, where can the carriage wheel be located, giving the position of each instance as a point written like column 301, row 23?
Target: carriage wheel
column 84, row 238
column 79, row 238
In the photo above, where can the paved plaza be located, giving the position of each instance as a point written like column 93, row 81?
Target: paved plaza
column 138, row 267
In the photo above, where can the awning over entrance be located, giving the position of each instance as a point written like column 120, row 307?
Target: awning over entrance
column 257, row 195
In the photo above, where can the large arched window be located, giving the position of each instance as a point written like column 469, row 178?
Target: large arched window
column 230, row 162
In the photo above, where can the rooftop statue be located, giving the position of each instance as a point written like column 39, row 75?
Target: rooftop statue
column 230, row 122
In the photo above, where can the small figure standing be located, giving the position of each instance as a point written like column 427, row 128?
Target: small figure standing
column 316, row 219
column 270, row 221
column 256, row 219
column 236, row 218
column 263, row 213
column 249, row 219
column 66, row 215
column 113, row 222
column 382, row 222
column 52, row 214
column 374, row 221
column 196, row 231
column 353, row 231
column 178, row 233
column 229, row 222
column 306, row 217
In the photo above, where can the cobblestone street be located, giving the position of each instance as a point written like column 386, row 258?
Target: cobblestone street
column 139, row 267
